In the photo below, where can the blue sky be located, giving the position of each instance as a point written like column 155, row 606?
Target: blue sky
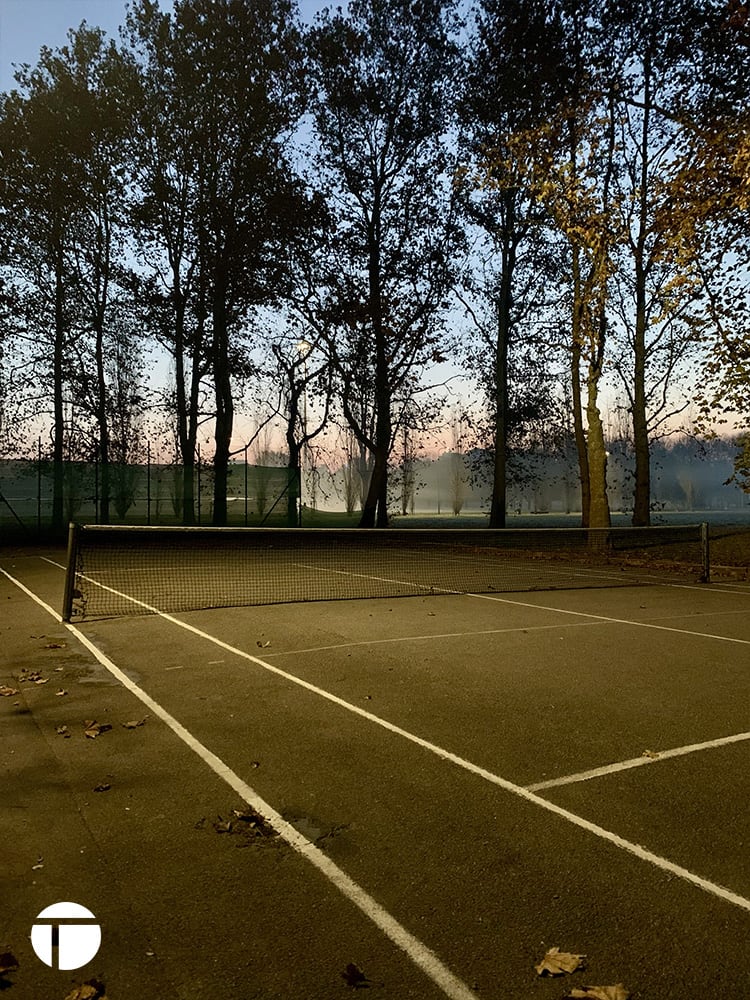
column 27, row 25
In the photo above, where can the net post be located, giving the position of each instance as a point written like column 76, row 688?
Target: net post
column 705, row 554
column 70, row 572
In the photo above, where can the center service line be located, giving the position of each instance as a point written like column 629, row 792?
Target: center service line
column 609, row 836
column 416, row 950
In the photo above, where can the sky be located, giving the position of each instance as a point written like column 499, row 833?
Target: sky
column 27, row 25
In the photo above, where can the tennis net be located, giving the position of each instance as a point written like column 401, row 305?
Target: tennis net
column 117, row 570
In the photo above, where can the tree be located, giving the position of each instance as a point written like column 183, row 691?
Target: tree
column 382, row 75
column 709, row 197
column 516, row 76
column 46, row 139
column 655, row 278
column 301, row 371
column 162, row 218
column 232, row 76
column 571, row 162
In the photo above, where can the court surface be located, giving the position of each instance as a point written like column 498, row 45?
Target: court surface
column 427, row 792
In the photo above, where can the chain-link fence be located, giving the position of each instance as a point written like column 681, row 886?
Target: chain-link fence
column 150, row 493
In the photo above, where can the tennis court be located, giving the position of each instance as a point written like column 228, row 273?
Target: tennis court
column 417, row 796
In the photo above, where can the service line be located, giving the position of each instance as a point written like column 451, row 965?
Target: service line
column 625, row 765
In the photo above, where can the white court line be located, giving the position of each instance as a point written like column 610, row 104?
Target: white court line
column 604, row 618
column 435, row 635
column 624, row 765
column 415, row 950
column 640, row 852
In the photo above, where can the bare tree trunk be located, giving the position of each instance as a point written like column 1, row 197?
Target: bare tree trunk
column 575, row 377
column 375, row 510
column 599, row 514
column 504, row 307
column 58, row 440
column 642, row 494
column 101, row 285
column 224, row 403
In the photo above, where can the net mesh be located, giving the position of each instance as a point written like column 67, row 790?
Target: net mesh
column 114, row 571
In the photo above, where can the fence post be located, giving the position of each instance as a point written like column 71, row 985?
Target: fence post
column 705, row 554
column 148, row 482
column 245, row 485
column 39, row 487
column 70, row 573
column 96, row 485
column 199, row 484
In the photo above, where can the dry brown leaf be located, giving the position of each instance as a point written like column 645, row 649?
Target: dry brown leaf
column 651, row 754
column 8, row 963
column 558, row 963
column 29, row 675
column 90, row 990
column 41, row 680
column 63, row 731
column 39, row 864
column 616, row 992
column 104, row 787
column 135, row 723
column 94, row 729
column 55, row 645
column 61, row 693
column 263, row 645
column 7, row 692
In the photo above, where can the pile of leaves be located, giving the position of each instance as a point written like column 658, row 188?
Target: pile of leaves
column 245, row 823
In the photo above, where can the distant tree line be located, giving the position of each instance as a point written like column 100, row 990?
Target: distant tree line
column 306, row 219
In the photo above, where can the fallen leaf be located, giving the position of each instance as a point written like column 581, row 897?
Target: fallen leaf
column 29, row 675
column 39, row 864
column 7, row 692
column 223, row 825
column 616, row 992
column 651, row 754
column 263, row 644
column 104, row 787
column 254, row 763
column 353, row 976
column 135, row 724
column 61, row 693
column 41, row 680
column 90, row 990
column 8, row 963
column 55, row 645
column 558, row 963
column 59, row 670
column 94, row 729
column 63, row 731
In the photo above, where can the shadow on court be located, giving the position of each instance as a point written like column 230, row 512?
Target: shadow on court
column 461, row 783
